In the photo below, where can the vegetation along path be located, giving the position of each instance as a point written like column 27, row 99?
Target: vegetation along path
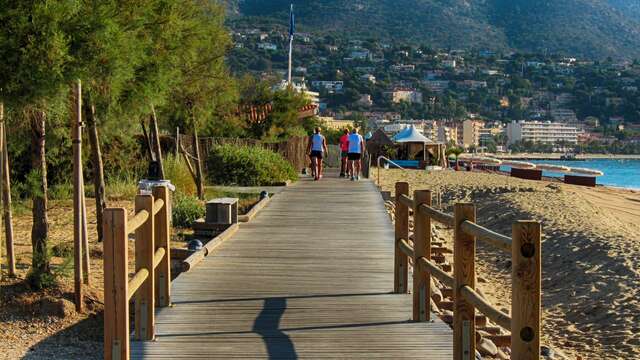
column 310, row 277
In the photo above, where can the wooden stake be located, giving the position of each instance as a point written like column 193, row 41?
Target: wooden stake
column 1, row 167
column 200, row 182
column 526, row 290
column 145, row 249
column 116, row 295
column 86, row 260
column 153, row 128
column 76, row 124
column 177, row 142
column 401, row 264
column 464, row 334
column 6, row 198
column 421, row 248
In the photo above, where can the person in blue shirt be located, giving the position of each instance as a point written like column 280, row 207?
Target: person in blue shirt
column 317, row 149
column 355, row 152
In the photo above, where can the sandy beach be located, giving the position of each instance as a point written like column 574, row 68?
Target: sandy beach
column 591, row 254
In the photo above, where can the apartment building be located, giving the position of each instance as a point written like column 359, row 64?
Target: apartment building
column 541, row 132
column 405, row 95
column 471, row 130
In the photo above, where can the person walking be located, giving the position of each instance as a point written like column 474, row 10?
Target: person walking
column 344, row 152
column 356, row 149
column 316, row 149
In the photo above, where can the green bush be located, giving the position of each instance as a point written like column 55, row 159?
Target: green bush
column 186, row 210
column 176, row 170
column 248, row 166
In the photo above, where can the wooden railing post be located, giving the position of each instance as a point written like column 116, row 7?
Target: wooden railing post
column 163, row 234
column 422, row 248
column 116, row 296
column 401, row 271
column 145, row 300
column 464, row 335
column 526, row 293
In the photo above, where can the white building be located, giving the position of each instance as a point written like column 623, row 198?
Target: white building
column 267, row 46
column 330, row 86
column 437, row 86
column 405, row 95
column 368, row 77
column 541, row 132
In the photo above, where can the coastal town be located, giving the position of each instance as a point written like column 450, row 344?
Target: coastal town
column 481, row 100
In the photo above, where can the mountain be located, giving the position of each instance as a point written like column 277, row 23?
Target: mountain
column 589, row 28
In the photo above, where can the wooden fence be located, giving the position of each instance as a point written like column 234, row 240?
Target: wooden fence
column 152, row 279
column 524, row 246
column 293, row 149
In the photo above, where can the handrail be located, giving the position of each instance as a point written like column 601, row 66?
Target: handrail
column 406, row 201
column 157, row 206
column 406, row 247
column 524, row 246
column 137, row 280
column 388, row 160
column 158, row 256
column 486, row 308
column 137, row 221
column 151, row 283
column 438, row 273
column 437, row 215
column 499, row 241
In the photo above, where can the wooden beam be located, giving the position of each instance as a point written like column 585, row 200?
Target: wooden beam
column 145, row 251
column 76, row 136
column 116, row 296
column 401, row 271
column 421, row 248
column 6, row 199
column 526, row 290
column 464, row 338
column 163, row 241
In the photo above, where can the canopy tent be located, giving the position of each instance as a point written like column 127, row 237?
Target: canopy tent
column 415, row 146
column 368, row 136
column 379, row 144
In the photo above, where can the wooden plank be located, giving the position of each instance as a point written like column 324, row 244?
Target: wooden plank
column 76, row 138
column 116, row 297
column 145, row 249
column 308, row 278
column 162, row 241
column 401, row 265
column 526, row 292
column 422, row 248
column 6, row 200
column 464, row 338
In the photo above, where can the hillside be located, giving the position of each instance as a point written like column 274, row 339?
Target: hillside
column 591, row 28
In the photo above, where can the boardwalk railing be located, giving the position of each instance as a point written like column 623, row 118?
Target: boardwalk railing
column 524, row 247
column 151, row 281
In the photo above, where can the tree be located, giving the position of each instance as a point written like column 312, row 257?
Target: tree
column 34, row 49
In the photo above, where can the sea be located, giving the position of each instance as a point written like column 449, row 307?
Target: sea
column 622, row 173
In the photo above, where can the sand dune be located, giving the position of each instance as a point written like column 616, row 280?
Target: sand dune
column 591, row 254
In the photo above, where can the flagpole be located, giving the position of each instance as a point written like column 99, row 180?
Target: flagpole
column 291, row 32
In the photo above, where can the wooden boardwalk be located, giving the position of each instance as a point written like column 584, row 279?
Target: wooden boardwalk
column 299, row 281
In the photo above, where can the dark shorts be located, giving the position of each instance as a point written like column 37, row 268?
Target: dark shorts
column 354, row 156
column 316, row 154
column 344, row 154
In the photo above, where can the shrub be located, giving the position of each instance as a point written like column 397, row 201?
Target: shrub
column 186, row 210
column 176, row 170
column 248, row 166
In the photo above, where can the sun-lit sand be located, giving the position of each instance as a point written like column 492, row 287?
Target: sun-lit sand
column 591, row 253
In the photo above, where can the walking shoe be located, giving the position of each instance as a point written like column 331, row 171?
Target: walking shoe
column 358, row 177
column 353, row 178
column 342, row 175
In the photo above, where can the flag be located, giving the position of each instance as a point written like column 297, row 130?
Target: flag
column 292, row 23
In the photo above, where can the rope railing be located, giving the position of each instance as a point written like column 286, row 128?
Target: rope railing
column 524, row 246
column 150, row 284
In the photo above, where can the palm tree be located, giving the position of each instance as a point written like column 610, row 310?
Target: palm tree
column 455, row 151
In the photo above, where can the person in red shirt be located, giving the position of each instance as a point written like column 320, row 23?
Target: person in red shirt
column 344, row 150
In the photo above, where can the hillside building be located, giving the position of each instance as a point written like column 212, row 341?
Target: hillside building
column 541, row 132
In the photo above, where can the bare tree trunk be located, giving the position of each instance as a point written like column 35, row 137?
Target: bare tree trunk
column 6, row 199
column 98, row 167
column 40, row 228
column 153, row 129
column 200, row 178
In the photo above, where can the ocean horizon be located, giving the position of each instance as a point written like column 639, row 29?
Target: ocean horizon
column 620, row 173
